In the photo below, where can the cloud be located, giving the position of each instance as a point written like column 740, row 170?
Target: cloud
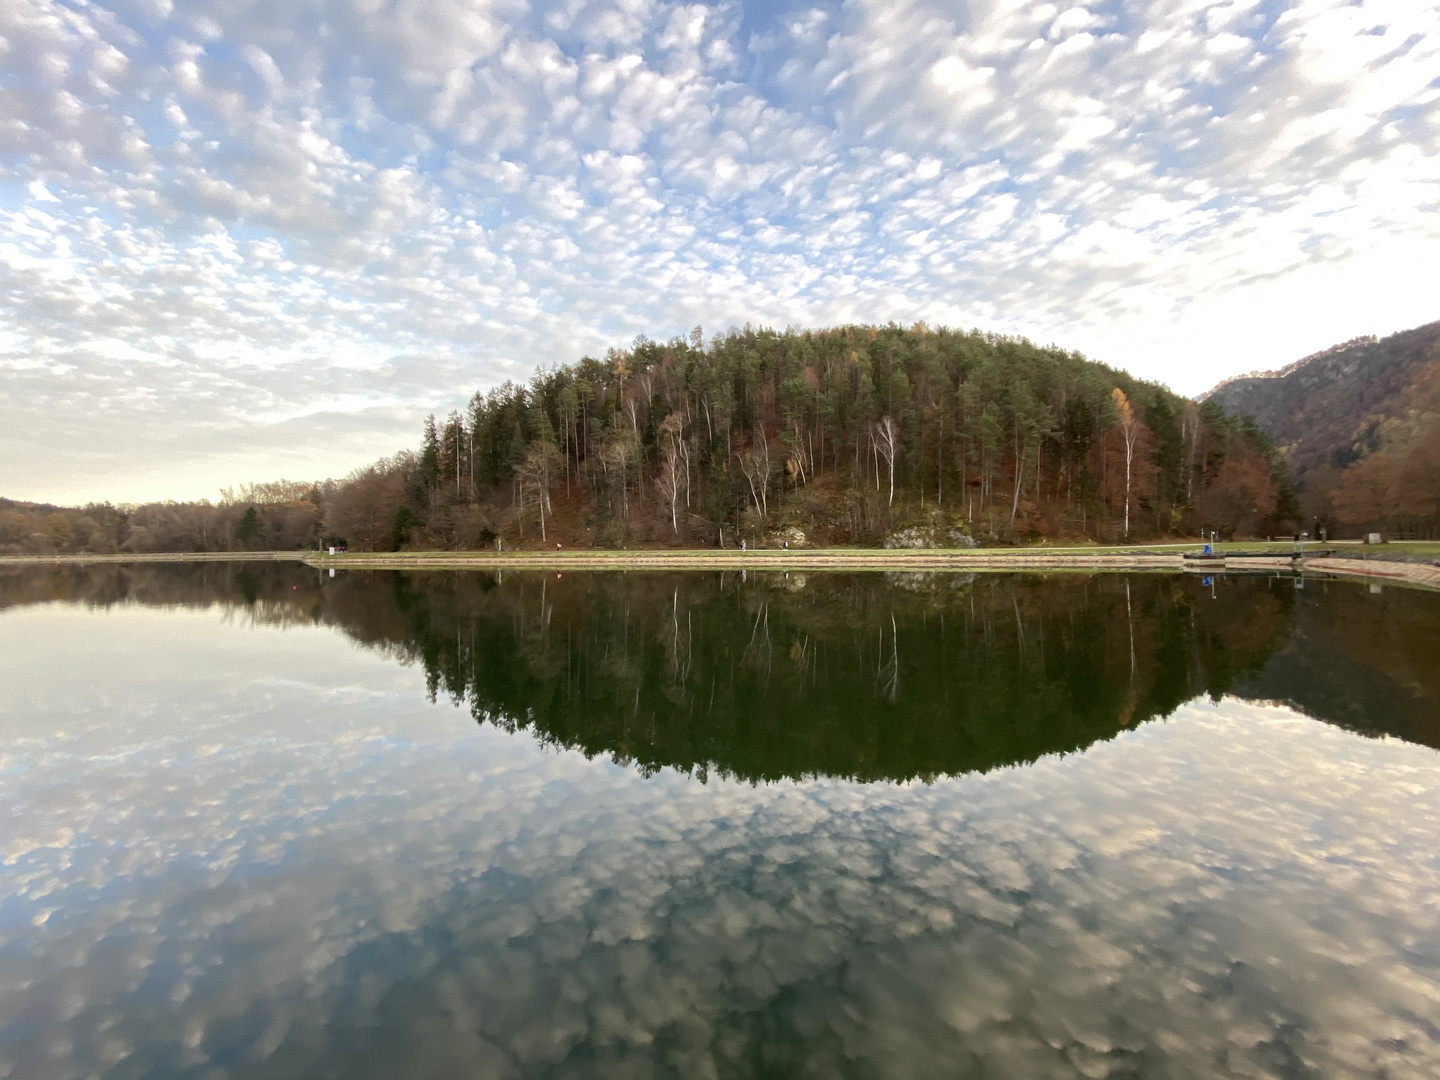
column 247, row 196
column 289, row 858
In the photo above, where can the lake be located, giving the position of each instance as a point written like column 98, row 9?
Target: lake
column 260, row 821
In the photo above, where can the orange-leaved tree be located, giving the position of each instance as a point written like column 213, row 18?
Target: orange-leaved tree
column 1130, row 430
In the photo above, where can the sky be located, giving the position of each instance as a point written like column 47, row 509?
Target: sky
column 246, row 239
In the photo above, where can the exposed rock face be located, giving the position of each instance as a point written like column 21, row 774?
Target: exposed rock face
column 929, row 536
column 790, row 534
column 913, row 537
column 1325, row 411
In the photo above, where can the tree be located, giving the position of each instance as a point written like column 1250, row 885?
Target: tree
column 363, row 507
column 1129, row 430
column 1398, row 485
column 1077, row 434
column 430, row 453
column 58, row 527
column 887, row 443
column 1027, row 426
column 568, row 406
column 1169, row 452
column 405, row 523
column 617, row 452
column 1240, row 496
column 450, row 454
column 672, row 472
column 536, row 475
column 249, row 527
column 755, row 464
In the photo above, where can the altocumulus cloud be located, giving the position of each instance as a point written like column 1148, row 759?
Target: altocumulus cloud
column 250, row 238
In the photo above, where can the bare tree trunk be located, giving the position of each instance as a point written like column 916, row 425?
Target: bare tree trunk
column 685, row 452
column 1019, row 472
column 1129, row 457
column 886, row 440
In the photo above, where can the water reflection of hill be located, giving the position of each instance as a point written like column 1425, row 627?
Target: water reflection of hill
column 273, row 592
column 860, row 676
column 842, row 675
column 1363, row 657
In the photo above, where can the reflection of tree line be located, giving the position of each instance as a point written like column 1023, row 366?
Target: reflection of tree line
column 905, row 675
column 845, row 675
column 278, row 592
column 1363, row 657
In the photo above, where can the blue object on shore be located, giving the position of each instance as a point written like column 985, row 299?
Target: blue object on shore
column 1207, row 550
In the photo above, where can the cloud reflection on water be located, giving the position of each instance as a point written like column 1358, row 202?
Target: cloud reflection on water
column 260, row 852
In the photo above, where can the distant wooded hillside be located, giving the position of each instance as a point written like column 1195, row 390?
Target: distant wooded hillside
column 1359, row 425
column 858, row 435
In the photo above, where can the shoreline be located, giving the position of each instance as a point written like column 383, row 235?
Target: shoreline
column 156, row 557
column 1413, row 575
column 1171, row 560
column 765, row 559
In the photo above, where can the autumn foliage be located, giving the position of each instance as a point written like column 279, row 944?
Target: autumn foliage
column 1398, row 486
column 857, row 435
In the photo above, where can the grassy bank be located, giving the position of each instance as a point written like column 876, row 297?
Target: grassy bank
column 811, row 559
column 1093, row 555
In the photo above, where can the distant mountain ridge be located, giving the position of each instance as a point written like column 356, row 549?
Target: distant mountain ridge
column 1334, row 408
column 1280, row 373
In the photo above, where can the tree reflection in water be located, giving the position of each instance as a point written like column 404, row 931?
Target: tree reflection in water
column 258, row 854
column 863, row 676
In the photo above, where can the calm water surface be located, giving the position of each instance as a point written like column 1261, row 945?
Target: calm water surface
column 259, row 822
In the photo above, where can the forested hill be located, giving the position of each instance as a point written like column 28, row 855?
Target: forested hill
column 854, row 435
column 1359, row 425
